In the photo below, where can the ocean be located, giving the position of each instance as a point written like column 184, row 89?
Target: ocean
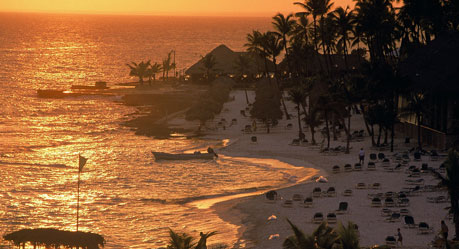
column 126, row 196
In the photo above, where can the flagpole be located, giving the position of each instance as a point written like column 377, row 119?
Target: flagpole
column 78, row 196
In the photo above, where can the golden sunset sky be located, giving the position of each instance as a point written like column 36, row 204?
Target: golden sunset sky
column 159, row 7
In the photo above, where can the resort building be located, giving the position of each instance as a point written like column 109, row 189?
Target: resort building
column 433, row 71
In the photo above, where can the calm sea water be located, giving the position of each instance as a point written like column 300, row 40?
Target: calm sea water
column 125, row 195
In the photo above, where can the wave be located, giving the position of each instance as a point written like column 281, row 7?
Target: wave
column 186, row 200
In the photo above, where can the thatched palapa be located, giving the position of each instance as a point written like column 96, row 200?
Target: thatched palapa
column 53, row 238
column 225, row 59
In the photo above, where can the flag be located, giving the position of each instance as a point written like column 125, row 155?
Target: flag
column 81, row 162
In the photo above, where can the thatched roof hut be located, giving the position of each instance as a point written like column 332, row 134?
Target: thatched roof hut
column 225, row 63
column 54, row 238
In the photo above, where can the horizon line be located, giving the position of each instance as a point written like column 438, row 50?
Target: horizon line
column 159, row 14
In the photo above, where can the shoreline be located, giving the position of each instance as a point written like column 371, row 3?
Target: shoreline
column 250, row 213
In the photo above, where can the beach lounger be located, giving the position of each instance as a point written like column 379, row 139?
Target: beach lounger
column 318, row 218
column 405, row 212
column 357, row 167
column 437, row 199
column 389, row 194
column 347, row 192
column 342, row 208
column 394, row 217
column 403, row 202
column 331, row 218
column 417, row 156
column 233, row 121
column 271, row 196
column 308, row 202
column 295, row 142
column 316, row 192
column 371, row 166
column 254, row 139
column 424, row 228
column 336, row 169
column 415, row 174
column 390, row 241
column 375, row 185
column 287, row 204
column 389, row 202
column 376, row 202
column 331, row 192
column 442, row 168
column 385, row 162
column 381, row 156
column 347, row 168
column 373, row 157
column 434, row 155
column 386, row 212
column 414, row 182
column 425, row 168
column 297, row 197
column 409, row 222
column 360, row 185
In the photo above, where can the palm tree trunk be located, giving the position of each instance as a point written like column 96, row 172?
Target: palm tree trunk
column 327, row 129
column 287, row 116
column 379, row 134
column 299, row 122
column 141, row 80
column 348, row 130
column 419, row 131
column 246, row 96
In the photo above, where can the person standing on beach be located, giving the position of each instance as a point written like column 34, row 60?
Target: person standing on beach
column 361, row 156
column 399, row 237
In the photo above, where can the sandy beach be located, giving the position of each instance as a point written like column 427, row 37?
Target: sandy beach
column 251, row 213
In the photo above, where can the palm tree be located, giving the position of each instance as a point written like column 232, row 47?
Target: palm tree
column 324, row 237
column 299, row 240
column 375, row 20
column 152, row 71
column 343, row 20
column 298, row 97
column 167, row 65
column 255, row 45
column 417, row 105
column 451, row 181
column 179, row 241
column 241, row 65
column 140, row 70
column 348, row 237
column 184, row 241
column 209, row 63
column 284, row 26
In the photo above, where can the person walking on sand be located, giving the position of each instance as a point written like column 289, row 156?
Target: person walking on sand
column 361, row 156
column 444, row 233
column 399, row 237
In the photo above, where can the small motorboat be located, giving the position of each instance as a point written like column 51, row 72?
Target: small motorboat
column 99, row 85
column 183, row 156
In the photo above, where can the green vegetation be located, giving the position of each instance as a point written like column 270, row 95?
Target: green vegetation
column 356, row 58
column 185, row 241
column 267, row 105
column 324, row 237
column 210, row 103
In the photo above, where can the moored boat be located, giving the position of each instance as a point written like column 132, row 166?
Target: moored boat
column 184, row 156
column 99, row 85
